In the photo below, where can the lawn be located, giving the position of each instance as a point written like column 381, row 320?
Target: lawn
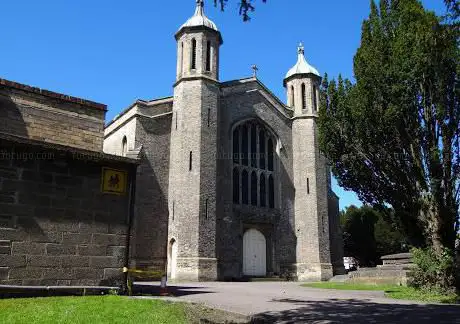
column 392, row 291
column 93, row 309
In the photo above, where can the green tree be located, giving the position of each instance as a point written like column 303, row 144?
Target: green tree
column 393, row 136
column 368, row 234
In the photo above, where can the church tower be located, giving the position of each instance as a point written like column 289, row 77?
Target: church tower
column 193, row 157
column 313, row 262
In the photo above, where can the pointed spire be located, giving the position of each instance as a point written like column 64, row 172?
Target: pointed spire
column 302, row 66
column 199, row 18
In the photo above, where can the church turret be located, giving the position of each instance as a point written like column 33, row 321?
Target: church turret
column 193, row 157
column 310, row 174
column 302, row 86
column 198, row 42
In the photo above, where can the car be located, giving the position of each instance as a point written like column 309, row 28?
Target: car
column 350, row 264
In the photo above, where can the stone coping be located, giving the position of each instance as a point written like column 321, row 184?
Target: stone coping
column 407, row 255
column 80, row 154
column 51, row 94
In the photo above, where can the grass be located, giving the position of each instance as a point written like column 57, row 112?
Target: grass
column 91, row 309
column 392, row 291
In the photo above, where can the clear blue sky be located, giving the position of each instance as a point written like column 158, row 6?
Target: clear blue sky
column 115, row 51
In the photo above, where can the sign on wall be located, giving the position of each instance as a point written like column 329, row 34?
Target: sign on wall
column 114, row 181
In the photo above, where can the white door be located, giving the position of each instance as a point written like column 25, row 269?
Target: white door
column 254, row 254
column 172, row 262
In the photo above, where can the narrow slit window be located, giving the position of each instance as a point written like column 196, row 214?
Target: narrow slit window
column 315, row 99
column 208, row 56
column 181, row 66
column 193, row 56
column 176, row 120
column 190, row 161
column 124, row 146
column 308, row 186
column 304, row 97
column 206, row 209
column 209, row 116
column 292, row 96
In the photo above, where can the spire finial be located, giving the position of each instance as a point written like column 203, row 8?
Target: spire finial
column 199, row 8
column 254, row 68
column 301, row 49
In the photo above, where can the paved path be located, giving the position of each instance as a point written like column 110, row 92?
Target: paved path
column 288, row 302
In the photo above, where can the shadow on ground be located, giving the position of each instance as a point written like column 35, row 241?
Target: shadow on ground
column 175, row 291
column 359, row 311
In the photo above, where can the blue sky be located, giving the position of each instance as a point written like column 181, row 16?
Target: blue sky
column 116, row 51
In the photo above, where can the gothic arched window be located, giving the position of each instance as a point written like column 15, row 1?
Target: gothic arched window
column 254, row 165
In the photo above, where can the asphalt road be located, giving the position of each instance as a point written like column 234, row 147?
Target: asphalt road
column 288, row 302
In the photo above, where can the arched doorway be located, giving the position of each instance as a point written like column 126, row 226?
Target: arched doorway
column 254, row 253
column 172, row 259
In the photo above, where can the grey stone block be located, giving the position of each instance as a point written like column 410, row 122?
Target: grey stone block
column 26, row 273
column 13, row 261
column 108, row 239
column 75, row 261
column 4, row 273
column 60, row 249
column 106, row 262
column 29, row 248
column 88, row 273
column 76, row 238
column 43, row 261
column 92, row 250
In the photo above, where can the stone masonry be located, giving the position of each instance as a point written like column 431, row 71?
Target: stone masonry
column 56, row 226
column 190, row 211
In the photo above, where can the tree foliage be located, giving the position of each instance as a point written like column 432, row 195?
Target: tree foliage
column 368, row 234
column 246, row 7
column 393, row 135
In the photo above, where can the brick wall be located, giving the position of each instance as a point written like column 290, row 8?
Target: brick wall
column 50, row 117
column 56, row 227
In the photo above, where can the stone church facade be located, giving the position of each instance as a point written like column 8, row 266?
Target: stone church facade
column 231, row 182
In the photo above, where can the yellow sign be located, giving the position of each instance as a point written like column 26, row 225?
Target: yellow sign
column 114, row 181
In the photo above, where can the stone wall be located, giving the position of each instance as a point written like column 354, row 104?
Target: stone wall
column 50, row 117
column 56, row 227
column 245, row 100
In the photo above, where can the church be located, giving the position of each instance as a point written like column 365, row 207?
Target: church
column 231, row 182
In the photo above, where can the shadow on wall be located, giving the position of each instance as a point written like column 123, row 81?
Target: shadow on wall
column 359, row 311
column 11, row 119
column 150, row 232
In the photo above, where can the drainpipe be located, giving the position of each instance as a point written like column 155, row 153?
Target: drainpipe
column 132, row 199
